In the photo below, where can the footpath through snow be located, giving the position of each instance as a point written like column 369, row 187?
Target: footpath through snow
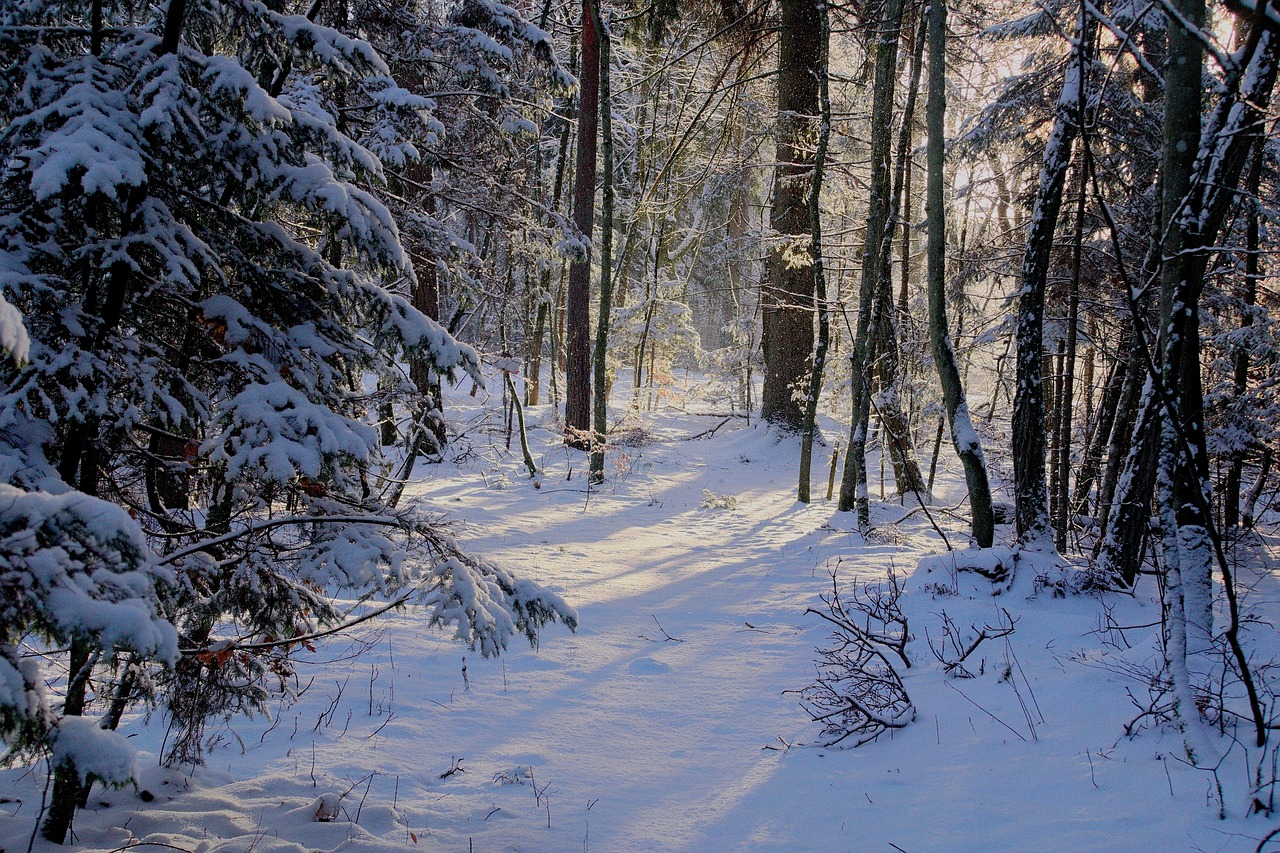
column 662, row 724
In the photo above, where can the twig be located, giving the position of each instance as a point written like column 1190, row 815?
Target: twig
column 985, row 711
column 666, row 636
column 708, row 432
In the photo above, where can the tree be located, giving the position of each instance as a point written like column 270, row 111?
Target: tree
column 1029, row 446
column 963, row 436
column 787, row 294
column 1198, row 191
column 577, row 406
column 821, row 305
column 192, row 235
column 877, row 241
column 599, row 403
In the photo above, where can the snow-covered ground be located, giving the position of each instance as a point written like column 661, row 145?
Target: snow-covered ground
column 663, row 723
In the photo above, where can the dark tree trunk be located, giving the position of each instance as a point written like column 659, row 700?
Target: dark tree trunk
column 1184, row 472
column 963, row 435
column 896, row 421
column 601, row 388
column 1252, row 272
column 1066, row 399
column 820, row 304
column 853, row 485
column 577, row 380
column 1091, row 465
column 787, row 295
column 1031, row 493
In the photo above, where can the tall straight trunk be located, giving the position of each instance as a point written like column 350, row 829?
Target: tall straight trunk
column 426, row 298
column 1100, row 431
column 853, row 484
column 904, row 167
column 542, row 327
column 787, row 295
column 577, row 380
column 1066, row 405
column 1252, row 272
column 1203, row 159
column 1125, row 496
column 1183, row 469
column 896, row 421
column 1031, row 493
column 601, row 391
column 815, row 259
column 735, row 273
column 963, row 435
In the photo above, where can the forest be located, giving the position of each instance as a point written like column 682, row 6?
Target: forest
column 851, row 355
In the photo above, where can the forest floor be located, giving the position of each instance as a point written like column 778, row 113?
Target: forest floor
column 664, row 723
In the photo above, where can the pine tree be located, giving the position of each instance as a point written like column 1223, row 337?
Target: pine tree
column 205, row 274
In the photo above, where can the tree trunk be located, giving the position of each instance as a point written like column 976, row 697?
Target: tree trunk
column 426, row 298
column 601, row 390
column 853, row 485
column 577, row 380
column 1091, row 465
column 787, row 294
column 963, row 435
column 1030, row 489
column 815, row 259
column 1183, row 468
column 66, row 779
column 543, row 325
column 1252, row 273
column 1066, row 404
column 896, row 421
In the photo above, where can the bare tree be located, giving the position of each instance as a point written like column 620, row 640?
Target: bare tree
column 963, row 436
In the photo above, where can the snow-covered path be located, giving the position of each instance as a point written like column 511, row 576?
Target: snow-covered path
column 662, row 724
column 664, row 737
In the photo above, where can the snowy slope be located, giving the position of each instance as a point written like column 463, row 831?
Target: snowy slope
column 663, row 723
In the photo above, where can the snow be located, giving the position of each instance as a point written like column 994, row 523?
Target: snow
column 78, row 565
column 662, row 723
column 96, row 145
column 13, row 334
column 98, row 754
column 275, row 429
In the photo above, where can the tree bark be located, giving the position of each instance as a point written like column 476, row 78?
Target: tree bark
column 1066, row 399
column 787, row 294
column 1240, row 380
column 577, row 380
column 853, row 485
column 1091, row 465
column 1183, row 469
column 963, row 436
column 820, row 303
column 600, row 395
column 1031, row 493
column 896, row 421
